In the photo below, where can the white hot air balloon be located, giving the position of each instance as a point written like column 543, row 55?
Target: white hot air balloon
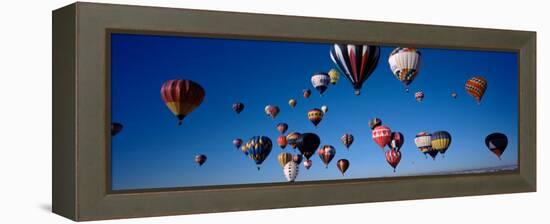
column 405, row 64
column 291, row 171
column 324, row 108
column 320, row 81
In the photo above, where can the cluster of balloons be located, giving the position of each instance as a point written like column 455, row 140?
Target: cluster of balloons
column 383, row 136
column 432, row 144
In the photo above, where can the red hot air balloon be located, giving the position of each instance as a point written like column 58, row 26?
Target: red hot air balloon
column 115, row 128
column 476, row 87
column 281, row 141
column 342, row 165
column 271, row 111
column 326, row 153
column 308, row 163
column 393, row 157
column 347, row 140
column 307, row 93
column 181, row 97
column 282, row 127
column 237, row 142
column 396, row 141
column 381, row 135
column 200, row 159
column 238, row 107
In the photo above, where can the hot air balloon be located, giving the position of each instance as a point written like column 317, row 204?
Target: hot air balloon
column 297, row 158
column 308, row 144
column 282, row 127
column 244, row 150
column 308, row 163
column 334, row 76
column 381, row 135
column 496, row 142
column 324, row 108
column 441, row 140
column 271, row 111
column 307, row 93
column 347, row 140
column 315, row 116
column 320, row 82
column 454, row 95
column 258, row 148
column 238, row 107
column 115, row 128
column 405, row 64
column 433, row 153
column 181, row 97
column 393, row 157
column 291, row 171
column 397, row 140
column 284, row 158
column 281, row 141
column 423, row 142
column 292, row 139
column 342, row 165
column 419, row 96
column 326, row 153
column 292, row 103
column 476, row 87
column 237, row 142
column 200, row 159
column 357, row 62
column 374, row 122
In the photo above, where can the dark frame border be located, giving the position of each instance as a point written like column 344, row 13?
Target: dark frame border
column 81, row 111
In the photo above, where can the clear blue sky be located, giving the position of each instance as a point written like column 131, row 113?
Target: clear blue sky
column 152, row 151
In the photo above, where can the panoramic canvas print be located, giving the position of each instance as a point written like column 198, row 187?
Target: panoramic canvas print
column 195, row 111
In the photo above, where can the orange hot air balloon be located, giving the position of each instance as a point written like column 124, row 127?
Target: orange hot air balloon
column 476, row 87
column 181, row 97
column 307, row 93
column 281, row 141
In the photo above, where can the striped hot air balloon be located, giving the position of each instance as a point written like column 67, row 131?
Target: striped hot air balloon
column 326, row 153
column 238, row 107
column 315, row 116
column 282, row 142
column 347, row 140
column 382, row 136
column 405, row 64
column 291, row 171
column 393, row 157
column 496, row 142
column 271, row 111
column 320, row 82
column 441, row 140
column 292, row 139
column 258, row 148
column 357, row 62
column 476, row 87
column 181, row 97
column 284, row 158
column 419, row 96
column 423, row 142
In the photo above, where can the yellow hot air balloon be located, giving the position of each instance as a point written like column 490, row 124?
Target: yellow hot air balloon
column 292, row 103
column 334, row 76
column 284, row 158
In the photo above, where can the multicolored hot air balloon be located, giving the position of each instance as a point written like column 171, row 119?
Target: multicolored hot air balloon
column 342, row 165
column 393, row 157
column 308, row 144
column 454, row 95
column 281, row 141
column 357, row 62
column 181, row 97
column 419, row 96
column 423, row 142
column 405, row 64
column 116, row 128
column 200, row 159
column 347, row 140
column 374, row 122
column 237, row 142
column 284, row 158
column 476, row 87
column 326, row 153
column 238, row 107
column 334, row 76
column 297, row 158
column 258, row 148
column 292, row 139
column 271, row 111
column 307, row 93
column 282, row 127
column 381, row 135
column 291, row 171
column 397, row 140
column 496, row 142
column 315, row 116
column 308, row 163
column 441, row 140
column 324, row 108
column 320, row 82
column 292, row 103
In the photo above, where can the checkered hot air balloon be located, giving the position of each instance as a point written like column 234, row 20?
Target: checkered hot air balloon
column 181, row 97
column 405, row 64
column 476, row 87
column 357, row 62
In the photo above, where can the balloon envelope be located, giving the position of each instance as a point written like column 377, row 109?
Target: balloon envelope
column 342, row 165
column 441, row 140
column 237, row 142
column 393, row 157
column 291, row 171
column 282, row 142
column 326, row 153
column 282, row 127
column 284, row 158
column 496, row 142
column 320, row 81
column 396, row 140
column 334, row 76
column 476, row 87
column 271, row 111
column 292, row 103
column 405, row 64
column 258, row 148
column 308, row 144
column 292, row 139
column 182, row 97
column 116, row 128
column 238, row 107
column 315, row 116
column 381, row 135
column 357, row 62
column 347, row 140
column 200, row 159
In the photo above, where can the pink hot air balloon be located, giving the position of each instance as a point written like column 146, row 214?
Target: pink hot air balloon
column 381, row 135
